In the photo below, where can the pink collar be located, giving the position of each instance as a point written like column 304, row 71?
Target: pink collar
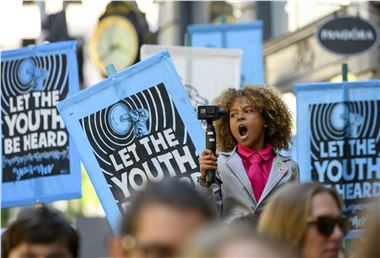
column 263, row 154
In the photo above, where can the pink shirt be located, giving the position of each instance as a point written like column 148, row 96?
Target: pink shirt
column 257, row 165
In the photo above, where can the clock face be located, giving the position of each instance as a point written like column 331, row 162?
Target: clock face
column 115, row 42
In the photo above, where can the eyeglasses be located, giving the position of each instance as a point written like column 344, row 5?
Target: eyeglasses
column 147, row 250
column 326, row 224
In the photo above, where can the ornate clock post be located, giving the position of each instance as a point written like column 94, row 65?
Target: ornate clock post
column 120, row 32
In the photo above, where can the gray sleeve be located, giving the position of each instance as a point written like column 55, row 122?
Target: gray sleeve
column 213, row 194
column 296, row 172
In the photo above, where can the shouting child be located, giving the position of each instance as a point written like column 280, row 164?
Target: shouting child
column 248, row 167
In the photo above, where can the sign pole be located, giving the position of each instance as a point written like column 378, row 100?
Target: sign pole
column 187, row 41
column 344, row 72
column 110, row 70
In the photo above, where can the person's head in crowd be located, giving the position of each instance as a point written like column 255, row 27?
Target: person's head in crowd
column 160, row 219
column 226, row 241
column 39, row 232
column 272, row 124
column 370, row 247
column 306, row 217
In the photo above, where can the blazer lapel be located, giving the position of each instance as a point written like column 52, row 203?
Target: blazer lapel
column 278, row 170
column 235, row 163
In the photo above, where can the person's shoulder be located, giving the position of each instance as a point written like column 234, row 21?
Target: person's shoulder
column 285, row 159
column 224, row 156
column 227, row 154
column 291, row 164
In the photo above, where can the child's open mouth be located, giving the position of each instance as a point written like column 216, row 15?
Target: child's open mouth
column 243, row 130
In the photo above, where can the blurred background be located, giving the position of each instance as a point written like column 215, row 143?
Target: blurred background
column 291, row 52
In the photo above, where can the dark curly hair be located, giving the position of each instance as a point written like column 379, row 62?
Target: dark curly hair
column 272, row 108
column 41, row 225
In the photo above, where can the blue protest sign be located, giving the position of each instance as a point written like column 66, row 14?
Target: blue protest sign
column 338, row 141
column 246, row 36
column 38, row 161
column 135, row 127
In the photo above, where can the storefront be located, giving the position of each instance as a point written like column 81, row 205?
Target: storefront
column 298, row 56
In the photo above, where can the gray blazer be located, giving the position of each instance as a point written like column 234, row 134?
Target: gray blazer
column 232, row 194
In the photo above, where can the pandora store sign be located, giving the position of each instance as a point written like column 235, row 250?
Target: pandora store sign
column 347, row 35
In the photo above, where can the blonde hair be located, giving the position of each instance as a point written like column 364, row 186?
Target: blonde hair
column 370, row 247
column 210, row 241
column 284, row 217
column 272, row 108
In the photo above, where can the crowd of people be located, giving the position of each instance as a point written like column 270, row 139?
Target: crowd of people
column 172, row 219
column 255, row 208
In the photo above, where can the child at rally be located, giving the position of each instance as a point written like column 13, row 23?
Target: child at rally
column 249, row 168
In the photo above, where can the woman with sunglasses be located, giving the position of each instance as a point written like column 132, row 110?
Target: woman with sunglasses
column 307, row 218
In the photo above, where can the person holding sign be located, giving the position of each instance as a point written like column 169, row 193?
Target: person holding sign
column 248, row 167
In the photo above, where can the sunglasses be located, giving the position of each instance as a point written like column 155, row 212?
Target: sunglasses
column 326, row 224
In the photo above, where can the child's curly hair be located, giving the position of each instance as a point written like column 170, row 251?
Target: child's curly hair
column 272, row 108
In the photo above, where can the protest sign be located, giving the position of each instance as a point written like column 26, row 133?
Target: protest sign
column 338, row 142
column 205, row 72
column 38, row 163
column 245, row 36
column 135, row 127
